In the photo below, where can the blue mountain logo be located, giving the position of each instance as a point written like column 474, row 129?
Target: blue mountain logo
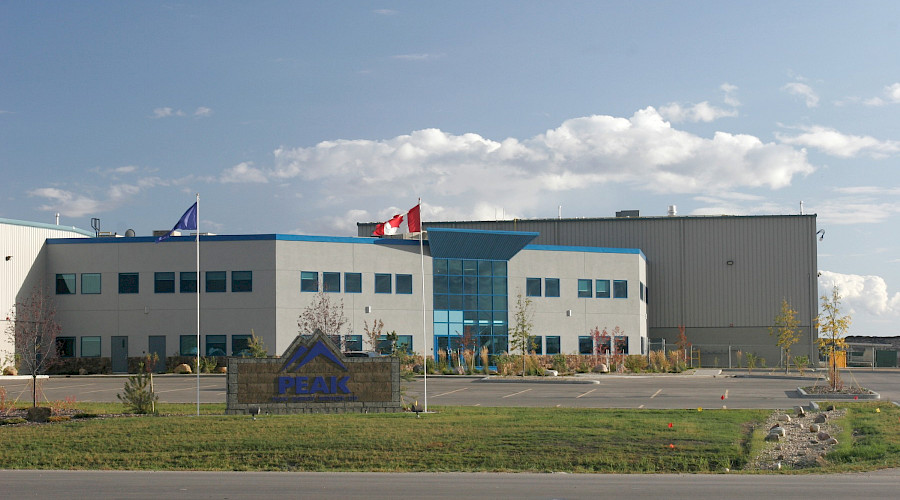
column 304, row 355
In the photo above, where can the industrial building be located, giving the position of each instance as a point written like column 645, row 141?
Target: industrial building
column 722, row 277
column 118, row 298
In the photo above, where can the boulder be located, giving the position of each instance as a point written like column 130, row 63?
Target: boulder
column 814, row 428
column 183, row 368
column 779, row 431
column 10, row 370
column 222, row 369
column 37, row 414
column 831, row 441
column 784, row 418
column 821, row 418
column 82, row 371
column 813, row 406
column 823, row 436
column 551, row 373
column 799, row 411
column 601, row 368
column 772, row 437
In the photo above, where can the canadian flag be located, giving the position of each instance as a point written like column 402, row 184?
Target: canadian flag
column 393, row 226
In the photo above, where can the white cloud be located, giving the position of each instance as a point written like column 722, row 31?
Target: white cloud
column 730, row 91
column 65, row 202
column 854, row 211
column 803, row 90
column 860, row 294
column 417, row 57
column 643, row 151
column 701, row 112
column 836, row 143
column 244, row 173
column 166, row 112
column 203, row 112
column 891, row 95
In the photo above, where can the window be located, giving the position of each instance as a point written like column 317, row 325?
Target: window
column 240, row 345
column 382, row 283
column 65, row 284
column 536, row 345
column 585, row 345
column 65, row 347
column 216, row 345
column 90, row 283
column 552, row 345
column 90, row 347
column 584, row 288
column 620, row 289
column 353, row 342
column 647, row 294
column 331, row 282
column 352, row 283
column 602, row 289
column 188, row 282
column 215, row 281
column 187, row 345
column 551, row 287
column 621, row 344
column 163, row 282
column 405, row 343
column 241, row 281
column 309, row 281
column 128, row 283
column 532, row 287
column 404, row 283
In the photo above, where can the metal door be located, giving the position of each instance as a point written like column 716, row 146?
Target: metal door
column 119, row 354
column 158, row 345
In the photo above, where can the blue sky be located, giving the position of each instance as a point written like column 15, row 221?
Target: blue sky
column 306, row 117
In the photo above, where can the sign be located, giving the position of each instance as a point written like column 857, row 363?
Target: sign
column 312, row 376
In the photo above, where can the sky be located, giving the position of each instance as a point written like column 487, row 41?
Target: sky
column 308, row 117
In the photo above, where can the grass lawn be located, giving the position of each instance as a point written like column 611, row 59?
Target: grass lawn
column 452, row 439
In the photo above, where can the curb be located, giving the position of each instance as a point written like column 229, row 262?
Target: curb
column 21, row 377
column 840, row 397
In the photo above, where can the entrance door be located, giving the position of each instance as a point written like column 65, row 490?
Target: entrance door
column 119, row 354
column 158, row 346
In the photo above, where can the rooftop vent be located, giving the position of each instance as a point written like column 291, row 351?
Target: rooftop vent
column 628, row 213
column 673, row 210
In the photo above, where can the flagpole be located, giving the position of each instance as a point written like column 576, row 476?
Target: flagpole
column 424, row 311
column 198, row 304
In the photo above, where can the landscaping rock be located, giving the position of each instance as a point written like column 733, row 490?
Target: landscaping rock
column 831, row 441
column 10, row 370
column 82, row 371
column 183, row 368
column 823, row 436
column 37, row 414
column 601, row 368
column 821, row 418
column 784, row 418
column 814, row 428
column 778, row 430
column 799, row 411
column 772, row 437
column 551, row 373
column 813, row 406
column 222, row 369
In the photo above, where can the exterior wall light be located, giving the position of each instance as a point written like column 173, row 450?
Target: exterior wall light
column 730, row 262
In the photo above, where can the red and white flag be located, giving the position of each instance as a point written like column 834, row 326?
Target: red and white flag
column 396, row 224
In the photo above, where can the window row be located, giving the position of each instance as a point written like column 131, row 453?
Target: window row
column 533, row 287
column 604, row 345
column 163, row 282
column 331, row 282
column 90, row 346
column 469, row 267
column 602, row 290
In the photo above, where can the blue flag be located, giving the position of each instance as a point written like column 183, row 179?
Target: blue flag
column 187, row 221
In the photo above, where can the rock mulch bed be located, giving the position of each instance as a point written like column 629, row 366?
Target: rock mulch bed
column 803, row 439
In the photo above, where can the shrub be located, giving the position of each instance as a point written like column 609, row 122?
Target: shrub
column 12, row 421
column 635, row 363
column 208, row 365
column 801, row 362
column 559, row 363
column 139, row 396
column 659, row 362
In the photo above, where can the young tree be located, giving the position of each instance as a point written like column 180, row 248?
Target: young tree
column 833, row 328
column 373, row 334
column 682, row 342
column 323, row 314
column 256, row 347
column 521, row 337
column 786, row 330
column 33, row 329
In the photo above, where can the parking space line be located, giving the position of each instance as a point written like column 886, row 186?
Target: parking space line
column 656, row 394
column 585, row 394
column 516, row 393
column 449, row 392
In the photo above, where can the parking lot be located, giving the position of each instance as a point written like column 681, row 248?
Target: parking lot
column 733, row 389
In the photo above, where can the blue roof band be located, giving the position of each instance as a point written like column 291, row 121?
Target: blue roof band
column 447, row 243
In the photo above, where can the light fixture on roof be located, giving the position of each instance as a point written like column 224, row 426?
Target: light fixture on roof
column 821, row 234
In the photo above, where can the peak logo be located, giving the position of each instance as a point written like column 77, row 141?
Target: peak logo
column 304, row 355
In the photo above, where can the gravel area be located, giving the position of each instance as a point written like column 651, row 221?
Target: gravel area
column 799, row 448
